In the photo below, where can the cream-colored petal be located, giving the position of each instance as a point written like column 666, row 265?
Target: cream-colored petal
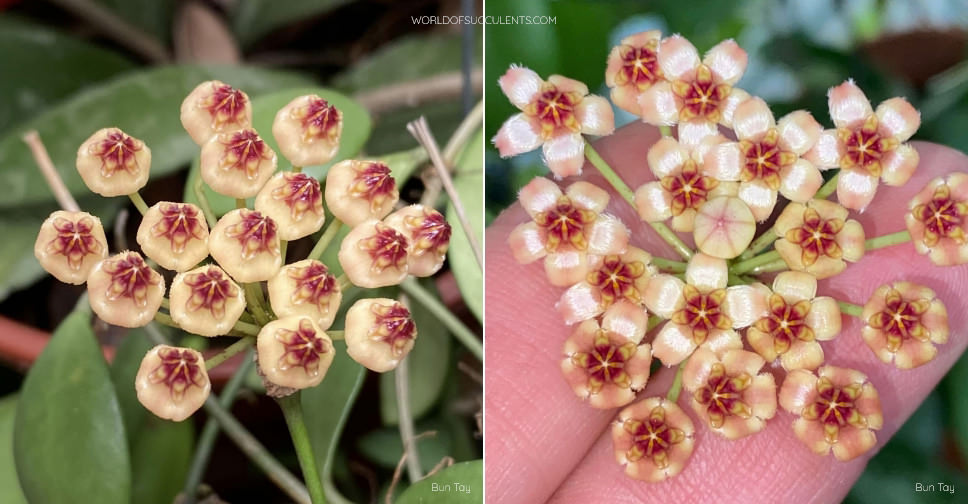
column 626, row 98
column 517, row 135
column 666, row 157
column 826, row 153
column 728, row 107
column 853, row 442
column 684, row 222
column 566, row 268
column 692, row 132
column 727, row 60
column 802, row 355
column 899, row 165
column 759, row 197
column 791, row 217
column 799, row 390
column 851, row 241
column 626, row 319
column 824, row 318
column 855, row 190
column 565, row 154
column 741, row 361
column 678, row 58
column 580, row 302
column 539, row 195
column 723, row 162
column 608, row 235
column 673, row 344
column 527, row 243
column 707, row 273
column 761, row 396
column 568, row 85
column 761, row 343
column 848, row 105
column 812, row 435
column 720, row 341
column 897, row 118
column 654, row 204
column 795, row 286
column 746, row 304
column 752, row 119
column 799, row 131
column 697, row 369
column 724, row 227
column 595, row 116
column 588, row 196
column 663, row 295
column 520, row 84
column 658, row 105
column 800, row 181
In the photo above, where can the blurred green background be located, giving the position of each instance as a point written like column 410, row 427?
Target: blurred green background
column 70, row 67
column 797, row 50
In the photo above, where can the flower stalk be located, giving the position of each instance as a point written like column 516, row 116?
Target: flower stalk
column 850, row 309
column 139, row 202
column 673, row 394
column 888, row 240
column 828, row 188
column 669, row 265
column 759, row 244
column 292, row 409
column 229, row 352
column 327, row 237
column 760, row 260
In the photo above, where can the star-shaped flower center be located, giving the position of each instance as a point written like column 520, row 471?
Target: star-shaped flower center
column 179, row 223
column 394, row 326
column 816, row 237
column 117, row 152
column 554, row 109
column 301, row 192
column 835, row 408
column 864, row 147
column 765, row 160
column 785, row 323
column 387, row 248
column 244, row 151
column 430, row 232
column 702, row 312
column 372, row 182
column 653, row 438
column 320, row 120
column 615, row 279
column 226, row 105
column 314, row 284
column 210, row 289
column 130, row 278
column 256, row 233
column 942, row 217
column 179, row 370
column 688, row 188
column 900, row 319
column 565, row 222
column 303, row 347
column 640, row 66
column 605, row 362
column 722, row 395
column 701, row 97
column 74, row 240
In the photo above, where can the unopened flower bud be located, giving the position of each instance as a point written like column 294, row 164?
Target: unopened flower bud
column 245, row 244
column 69, row 244
column 172, row 382
column 237, row 163
column 294, row 352
column 379, row 333
column 305, row 288
column 214, row 107
column 307, row 130
column 374, row 255
column 124, row 291
column 429, row 235
column 174, row 235
column 295, row 202
column 206, row 301
column 360, row 190
column 113, row 163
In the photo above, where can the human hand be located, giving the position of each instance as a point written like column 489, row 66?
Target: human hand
column 543, row 443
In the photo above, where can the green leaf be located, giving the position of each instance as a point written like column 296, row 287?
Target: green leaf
column 160, row 459
column 469, row 183
column 326, row 408
column 18, row 266
column 10, row 492
column 42, row 66
column 153, row 16
column 390, row 132
column 461, row 483
column 252, row 19
column 958, row 402
column 428, row 366
column 384, row 446
column 356, row 129
column 69, row 439
column 408, row 58
column 144, row 104
column 127, row 360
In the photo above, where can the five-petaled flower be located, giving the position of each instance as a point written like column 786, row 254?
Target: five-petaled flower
column 554, row 114
column 633, row 67
column 605, row 363
column 838, row 409
column 867, row 144
column 698, row 310
column 938, row 220
column 696, row 95
column 70, row 244
column 729, row 392
column 653, row 439
column 565, row 229
column 610, row 279
column 816, row 237
column 789, row 321
column 903, row 323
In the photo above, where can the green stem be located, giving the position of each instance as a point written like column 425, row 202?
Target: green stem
column 654, row 320
column 887, row 240
column 850, row 308
column 254, row 299
column 666, row 131
column 335, row 335
column 328, row 236
column 676, row 387
column 240, row 203
column 747, row 265
column 828, row 188
column 229, row 351
column 139, row 202
column 203, row 202
column 206, row 441
column 434, row 306
column 297, row 169
column 283, row 245
column 669, row 265
column 626, row 192
column 243, row 328
column 164, row 318
column 771, row 267
column 761, row 243
column 735, row 279
column 292, row 410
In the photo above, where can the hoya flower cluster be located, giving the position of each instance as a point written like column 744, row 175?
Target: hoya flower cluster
column 743, row 345
column 219, row 264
